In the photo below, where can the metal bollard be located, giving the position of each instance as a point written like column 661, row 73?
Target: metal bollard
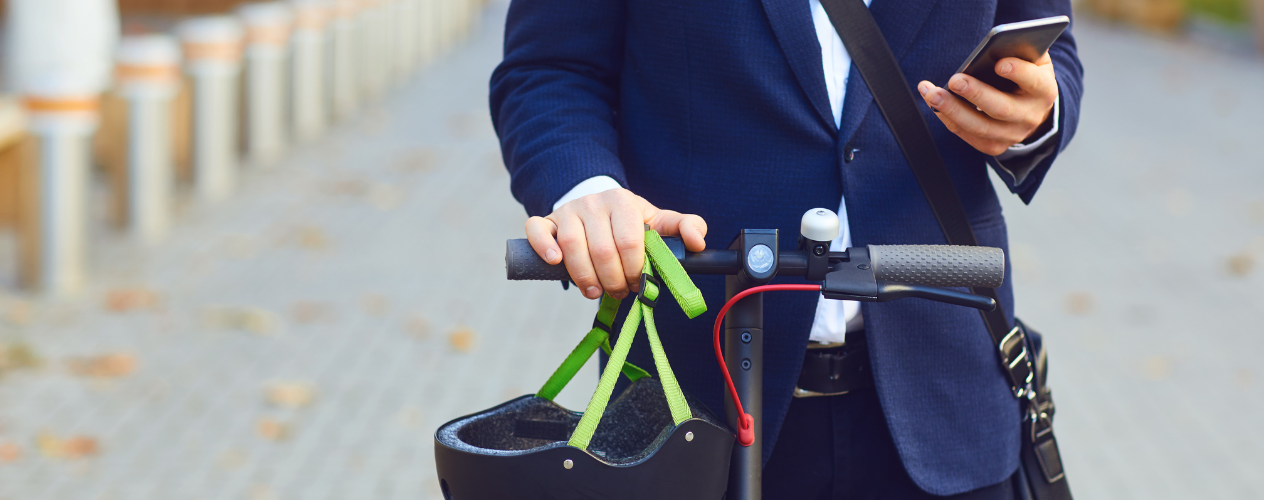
column 346, row 86
column 212, row 53
column 267, row 51
column 147, row 73
column 63, row 121
column 308, row 40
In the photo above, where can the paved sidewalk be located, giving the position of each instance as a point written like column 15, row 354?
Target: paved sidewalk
column 304, row 340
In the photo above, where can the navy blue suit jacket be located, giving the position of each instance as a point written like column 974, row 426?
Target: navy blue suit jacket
column 719, row 108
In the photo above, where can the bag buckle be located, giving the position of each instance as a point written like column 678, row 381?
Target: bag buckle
column 1017, row 361
column 651, row 287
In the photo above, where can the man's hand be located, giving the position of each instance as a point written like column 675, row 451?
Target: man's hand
column 992, row 120
column 602, row 238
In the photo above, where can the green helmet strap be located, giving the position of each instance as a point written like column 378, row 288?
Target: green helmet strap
column 660, row 258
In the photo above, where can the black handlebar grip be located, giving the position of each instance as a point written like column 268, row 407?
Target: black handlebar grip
column 522, row 263
column 939, row 265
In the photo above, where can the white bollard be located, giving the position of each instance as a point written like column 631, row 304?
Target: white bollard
column 405, row 38
column 389, row 12
column 308, row 40
column 59, row 58
column 370, row 54
column 212, row 54
column 63, row 120
column 345, row 71
column 267, row 52
column 72, row 40
column 427, row 41
column 147, row 74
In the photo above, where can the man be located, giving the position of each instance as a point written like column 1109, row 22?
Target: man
column 704, row 117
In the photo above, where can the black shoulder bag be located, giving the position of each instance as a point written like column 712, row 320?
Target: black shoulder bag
column 1021, row 354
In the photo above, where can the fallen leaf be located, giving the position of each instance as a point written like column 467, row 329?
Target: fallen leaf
column 80, row 446
column 18, row 312
column 48, row 445
column 290, row 394
column 104, row 366
column 420, row 160
column 1079, row 303
column 418, row 328
column 232, row 459
column 410, row 418
column 385, row 196
column 18, row 356
column 272, row 430
column 72, row 448
column 241, row 247
column 130, row 299
column 262, row 492
column 10, row 452
column 309, row 312
column 462, row 339
column 1240, row 264
column 346, row 187
column 375, row 304
column 1158, row 367
column 249, row 319
column 311, row 238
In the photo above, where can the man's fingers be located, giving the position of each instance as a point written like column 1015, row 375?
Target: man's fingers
column 986, row 98
column 969, row 123
column 570, row 236
column 606, row 260
column 690, row 228
column 540, row 233
column 1036, row 80
column 629, row 238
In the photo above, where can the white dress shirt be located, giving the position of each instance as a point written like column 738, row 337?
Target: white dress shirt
column 832, row 316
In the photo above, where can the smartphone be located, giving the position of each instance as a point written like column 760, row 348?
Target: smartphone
column 1027, row 40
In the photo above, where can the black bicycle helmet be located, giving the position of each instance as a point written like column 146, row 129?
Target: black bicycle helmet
column 653, row 441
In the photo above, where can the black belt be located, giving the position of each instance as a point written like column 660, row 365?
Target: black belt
column 835, row 370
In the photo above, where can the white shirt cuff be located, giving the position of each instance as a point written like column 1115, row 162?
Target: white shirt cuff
column 591, row 185
column 1021, row 149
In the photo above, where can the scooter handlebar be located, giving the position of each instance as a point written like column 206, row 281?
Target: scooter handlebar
column 522, row 263
column 929, row 265
column 939, row 265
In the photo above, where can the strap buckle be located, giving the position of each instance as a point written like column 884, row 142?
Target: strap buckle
column 1042, row 441
column 602, row 326
column 1017, row 361
column 647, row 281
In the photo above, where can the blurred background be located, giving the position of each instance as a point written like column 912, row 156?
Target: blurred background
column 254, row 251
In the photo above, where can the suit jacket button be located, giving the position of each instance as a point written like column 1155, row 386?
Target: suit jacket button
column 850, row 154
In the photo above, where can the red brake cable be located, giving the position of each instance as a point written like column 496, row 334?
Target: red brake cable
column 745, row 422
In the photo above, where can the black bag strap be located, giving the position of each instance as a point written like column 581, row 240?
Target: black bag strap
column 1041, row 462
column 877, row 65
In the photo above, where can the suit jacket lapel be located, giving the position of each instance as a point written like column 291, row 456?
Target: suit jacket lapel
column 900, row 21
column 792, row 24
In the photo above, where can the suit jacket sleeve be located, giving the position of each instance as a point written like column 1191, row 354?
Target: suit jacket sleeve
column 554, row 97
column 1070, row 76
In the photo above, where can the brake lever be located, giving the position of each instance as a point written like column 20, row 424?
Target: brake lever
column 893, row 291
